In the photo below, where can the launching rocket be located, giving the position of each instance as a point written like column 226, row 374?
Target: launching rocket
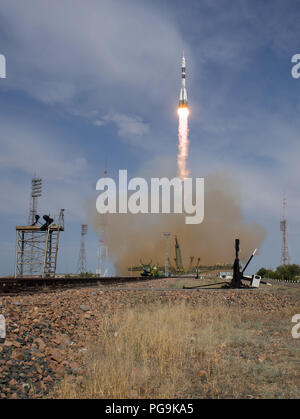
column 183, row 127
column 183, row 102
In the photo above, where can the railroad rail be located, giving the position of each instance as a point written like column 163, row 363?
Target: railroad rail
column 25, row 285
column 285, row 282
column 10, row 285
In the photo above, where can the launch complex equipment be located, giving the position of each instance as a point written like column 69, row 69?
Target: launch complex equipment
column 148, row 269
column 179, row 267
column 168, row 269
column 37, row 247
column 238, row 273
column 178, row 258
column 167, row 264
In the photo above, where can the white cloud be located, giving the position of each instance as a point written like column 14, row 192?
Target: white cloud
column 108, row 52
column 131, row 128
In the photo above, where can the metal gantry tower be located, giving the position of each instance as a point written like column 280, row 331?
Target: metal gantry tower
column 37, row 248
column 82, row 264
column 167, row 260
column 36, row 192
column 285, row 258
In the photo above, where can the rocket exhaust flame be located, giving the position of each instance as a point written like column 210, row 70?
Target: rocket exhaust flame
column 183, row 127
column 183, row 142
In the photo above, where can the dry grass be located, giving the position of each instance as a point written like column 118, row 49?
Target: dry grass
column 174, row 351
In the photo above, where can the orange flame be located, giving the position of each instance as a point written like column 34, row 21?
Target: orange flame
column 183, row 142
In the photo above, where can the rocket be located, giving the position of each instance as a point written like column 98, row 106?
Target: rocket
column 183, row 102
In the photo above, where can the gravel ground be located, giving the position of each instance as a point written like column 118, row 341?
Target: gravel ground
column 47, row 334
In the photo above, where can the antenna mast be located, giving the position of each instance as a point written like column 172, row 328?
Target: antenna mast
column 82, row 264
column 285, row 258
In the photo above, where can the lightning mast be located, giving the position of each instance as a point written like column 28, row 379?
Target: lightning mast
column 82, row 264
column 36, row 192
column 285, row 259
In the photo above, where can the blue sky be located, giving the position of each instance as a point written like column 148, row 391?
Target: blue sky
column 95, row 81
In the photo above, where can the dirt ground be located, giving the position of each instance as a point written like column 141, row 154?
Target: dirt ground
column 231, row 343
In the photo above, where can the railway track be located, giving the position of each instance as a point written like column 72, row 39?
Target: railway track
column 284, row 282
column 17, row 286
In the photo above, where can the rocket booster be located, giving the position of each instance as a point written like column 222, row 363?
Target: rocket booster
column 183, row 102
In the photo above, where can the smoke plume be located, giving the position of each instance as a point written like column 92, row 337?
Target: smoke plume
column 134, row 237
